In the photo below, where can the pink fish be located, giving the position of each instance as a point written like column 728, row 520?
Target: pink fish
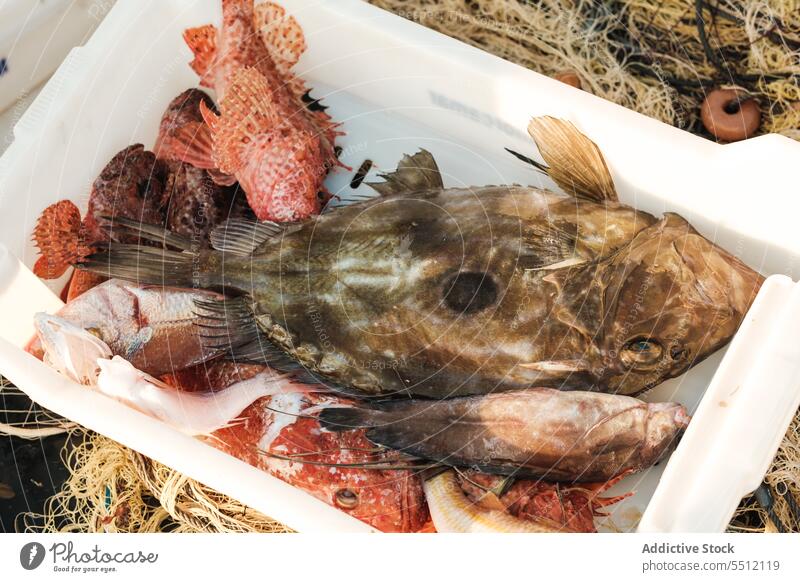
column 153, row 327
column 264, row 136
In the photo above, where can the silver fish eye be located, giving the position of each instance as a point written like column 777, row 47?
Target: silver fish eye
column 641, row 351
column 469, row 292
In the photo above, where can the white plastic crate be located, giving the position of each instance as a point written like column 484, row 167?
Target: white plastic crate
column 36, row 36
column 396, row 87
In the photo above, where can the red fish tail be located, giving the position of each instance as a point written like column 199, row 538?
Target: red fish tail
column 60, row 237
column 202, row 40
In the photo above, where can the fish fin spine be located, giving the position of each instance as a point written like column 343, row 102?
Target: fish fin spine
column 225, row 325
column 192, row 143
column 240, row 236
column 574, row 162
column 47, row 268
column 415, row 173
column 211, row 120
column 202, row 40
column 340, row 419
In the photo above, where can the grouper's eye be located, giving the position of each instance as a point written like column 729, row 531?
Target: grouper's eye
column 641, row 351
column 677, row 352
column 469, row 292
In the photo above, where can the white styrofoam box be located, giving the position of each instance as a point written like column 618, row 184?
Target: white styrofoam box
column 740, row 422
column 396, row 87
column 36, row 36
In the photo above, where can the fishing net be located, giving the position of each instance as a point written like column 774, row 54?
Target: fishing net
column 783, row 479
column 112, row 488
column 657, row 57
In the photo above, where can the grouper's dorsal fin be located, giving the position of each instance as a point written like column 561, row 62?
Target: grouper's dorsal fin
column 241, row 236
column 413, row 174
column 574, row 162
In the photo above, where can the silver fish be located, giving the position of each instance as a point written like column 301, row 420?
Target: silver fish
column 535, row 433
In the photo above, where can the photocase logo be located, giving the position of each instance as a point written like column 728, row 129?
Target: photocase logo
column 31, row 555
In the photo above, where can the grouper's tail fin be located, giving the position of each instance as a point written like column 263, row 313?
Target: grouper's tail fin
column 166, row 258
column 148, row 265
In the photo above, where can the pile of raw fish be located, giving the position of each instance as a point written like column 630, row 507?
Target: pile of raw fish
column 449, row 359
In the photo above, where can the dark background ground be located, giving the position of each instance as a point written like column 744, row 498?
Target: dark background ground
column 30, row 470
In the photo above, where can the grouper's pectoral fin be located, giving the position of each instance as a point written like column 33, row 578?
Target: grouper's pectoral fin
column 574, row 162
column 415, row 173
column 229, row 326
column 261, row 350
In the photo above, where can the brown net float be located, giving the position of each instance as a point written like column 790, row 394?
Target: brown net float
column 729, row 117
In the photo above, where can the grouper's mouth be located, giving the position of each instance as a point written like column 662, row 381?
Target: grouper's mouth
column 568, row 374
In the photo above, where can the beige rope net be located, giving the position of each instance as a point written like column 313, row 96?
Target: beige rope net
column 112, row 488
column 647, row 55
column 550, row 36
column 784, row 480
column 658, row 57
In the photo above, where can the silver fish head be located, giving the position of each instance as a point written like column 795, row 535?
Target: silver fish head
column 670, row 299
column 666, row 422
column 69, row 349
column 152, row 327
